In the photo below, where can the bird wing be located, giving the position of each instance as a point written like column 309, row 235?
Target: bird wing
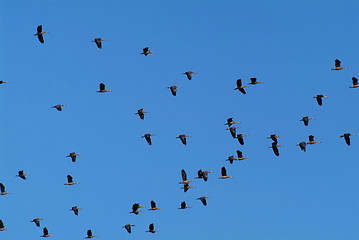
column 128, row 228
column 200, row 174
column 153, row 204
column 89, row 233
column 21, row 172
column 205, row 176
column 233, row 131
column 239, row 154
column 2, row 187
column 46, row 232
column 311, row 138
column 224, row 171
column 183, row 204
column 253, row 80
column 204, row 201
column 135, row 207
column 69, row 178
column 239, row 83
column 355, row 81
column 151, row 227
column 145, row 49
column 1, row 224
column 41, row 38
column 306, row 121
column 173, row 90
column 242, row 90
column 37, row 222
column 319, row 100
column 39, row 29
column 184, row 175
column 98, row 42
column 337, row 63
column 347, row 138
column 102, row 87
column 240, row 139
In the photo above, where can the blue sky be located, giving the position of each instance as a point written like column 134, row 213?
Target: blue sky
column 290, row 46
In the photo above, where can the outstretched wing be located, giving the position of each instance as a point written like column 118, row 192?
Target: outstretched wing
column 184, row 175
column 69, row 178
column 355, row 81
column 337, row 63
column 102, row 87
column 224, row 171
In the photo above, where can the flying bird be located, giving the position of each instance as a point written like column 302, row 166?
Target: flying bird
column 347, row 137
column 189, row 74
column 146, row 51
column 151, row 228
column 240, row 87
column 147, row 136
column 1, row 82
column 254, row 81
column 128, row 227
column 337, row 65
column 203, row 174
column 153, row 206
column 230, row 122
column 22, row 175
column 59, row 107
column 240, row 155
column 98, row 42
column 232, row 130
column 103, row 88
column 2, row 227
column 89, row 234
column 184, row 206
column 141, row 113
column 275, row 148
column 184, row 177
column 240, row 138
column 135, row 208
column 306, row 120
column 40, row 33
column 174, row 89
column 274, row 138
column 203, row 200
column 319, row 99
column 183, row 138
column 75, row 209
column 46, row 233
column 231, row 159
column 37, row 221
column 311, row 140
column 186, row 186
column 302, row 146
column 3, row 192
column 73, row 156
column 70, row 181
column 355, row 82
column 224, row 173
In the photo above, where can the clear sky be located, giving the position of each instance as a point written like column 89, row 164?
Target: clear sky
column 289, row 45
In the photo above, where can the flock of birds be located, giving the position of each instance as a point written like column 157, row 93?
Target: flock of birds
column 183, row 138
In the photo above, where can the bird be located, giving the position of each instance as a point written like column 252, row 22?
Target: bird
column 128, row 227
column 184, row 177
column 203, row 174
column 69, row 181
column 319, row 99
column 337, row 65
column 89, row 234
column 231, row 159
column 186, row 186
column 274, row 138
column 232, row 130
column 189, row 74
column 355, row 82
column 240, row 138
column 183, row 138
column 146, row 51
column 103, row 88
column 59, row 107
column 230, row 122
column 135, row 208
column 224, row 173
column 147, row 136
column 184, row 206
column 240, row 155
column 73, row 156
column 22, row 175
column 311, row 140
column 174, row 89
column 254, row 81
column 1, row 82
column 275, row 148
column 347, row 137
column 98, row 42
column 203, row 200
column 151, row 228
column 2, row 227
column 240, row 87
column 302, row 146
column 153, row 206
column 3, row 192
column 46, row 233
column 40, row 33
column 37, row 221
column 75, row 209
column 306, row 120
column 141, row 113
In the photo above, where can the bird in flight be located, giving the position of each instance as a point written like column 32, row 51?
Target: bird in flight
column 40, row 33
column 98, row 42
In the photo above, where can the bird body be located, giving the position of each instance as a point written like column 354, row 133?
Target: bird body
column 46, row 233
column 319, row 99
column 73, row 156
column 306, row 120
column 40, row 33
column 355, row 82
column 75, row 209
column 3, row 192
column 254, row 81
column 203, row 174
column 103, row 88
column 135, row 208
column 311, row 140
column 183, row 138
column 151, row 228
column 147, row 136
column 128, row 227
column 347, row 137
column 337, row 65
column 302, row 146
column 184, row 206
column 153, row 206
column 230, row 122
column 37, row 221
column 22, row 175
column 70, row 181
column 224, row 173
column 1, row 82
column 189, row 74
column 141, row 113
column 146, row 51
column 203, row 200
column 98, row 42
column 59, row 107
column 174, row 89
column 240, row 87
column 89, row 234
